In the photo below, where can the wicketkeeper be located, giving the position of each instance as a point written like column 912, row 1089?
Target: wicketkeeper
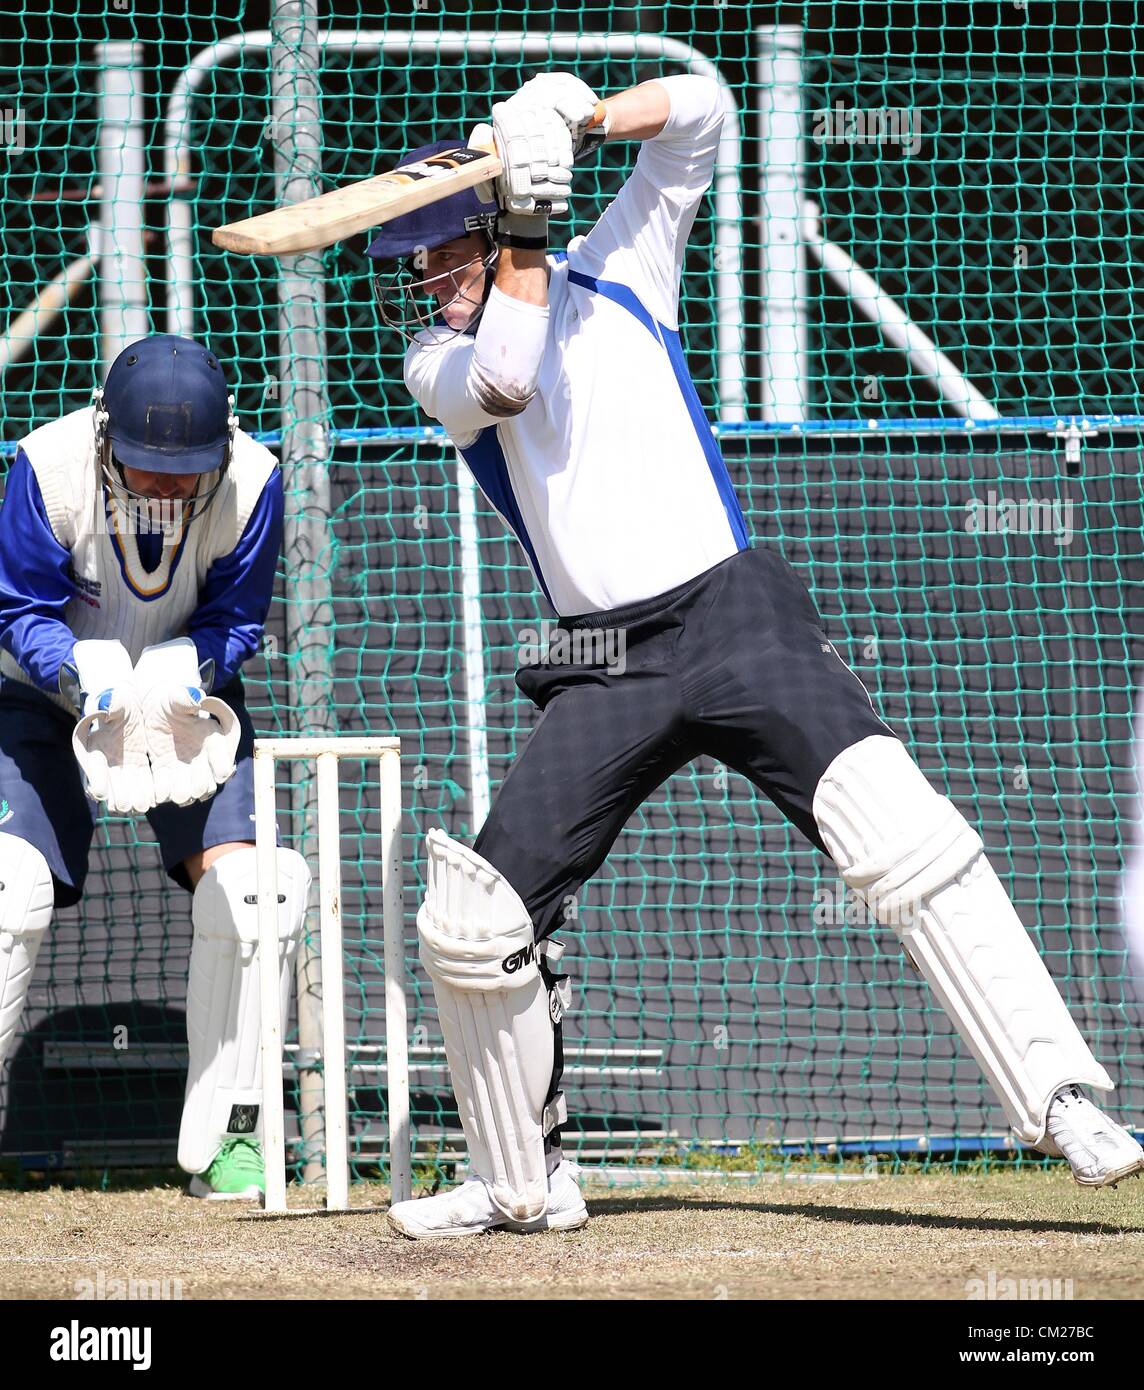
column 562, row 380
column 138, row 543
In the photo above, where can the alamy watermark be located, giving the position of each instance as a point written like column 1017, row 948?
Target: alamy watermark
column 845, row 907
column 76, row 1342
column 1004, row 1289
column 13, row 129
column 860, row 125
column 553, row 645
column 1027, row 516
column 101, row 1288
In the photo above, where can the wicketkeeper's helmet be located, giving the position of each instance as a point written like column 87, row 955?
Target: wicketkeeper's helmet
column 165, row 408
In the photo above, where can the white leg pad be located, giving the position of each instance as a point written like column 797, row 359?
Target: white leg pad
column 922, row 869
column 224, row 1079
column 26, row 901
column 477, row 943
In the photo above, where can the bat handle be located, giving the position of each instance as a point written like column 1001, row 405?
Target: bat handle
column 595, row 134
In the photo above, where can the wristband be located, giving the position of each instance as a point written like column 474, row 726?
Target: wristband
column 523, row 231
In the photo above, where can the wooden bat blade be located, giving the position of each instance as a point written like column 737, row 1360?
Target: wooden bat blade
column 343, row 212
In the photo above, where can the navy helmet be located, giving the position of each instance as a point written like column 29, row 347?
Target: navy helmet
column 432, row 226
column 408, row 302
column 167, row 409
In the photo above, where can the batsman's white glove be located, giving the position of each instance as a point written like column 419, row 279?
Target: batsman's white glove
column 108, row 742
column 192, row 738
column 535, row 151
column 572, row 100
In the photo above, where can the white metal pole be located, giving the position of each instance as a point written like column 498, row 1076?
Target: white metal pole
column 474, row 636
column 48, row 305
column 118, row 236
column 333, row 990
column 396, row 1019
column 894, row 323
column 266, row 856
column 785, row 379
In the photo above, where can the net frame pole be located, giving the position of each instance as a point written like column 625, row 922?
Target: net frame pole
column 117, row 237
column 296, row 136
column 785, row 291
column 52, row 301
column 892, row 321
column 476, row 719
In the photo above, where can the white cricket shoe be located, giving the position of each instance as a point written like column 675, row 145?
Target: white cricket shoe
column 468, row 1210
column 1100, row 1152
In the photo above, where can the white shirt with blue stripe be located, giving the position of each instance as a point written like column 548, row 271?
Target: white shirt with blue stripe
column 610, row 477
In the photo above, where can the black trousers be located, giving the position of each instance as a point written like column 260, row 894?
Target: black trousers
column 734, row 664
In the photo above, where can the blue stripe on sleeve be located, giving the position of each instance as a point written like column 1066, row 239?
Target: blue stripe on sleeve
column 35, row 580
column 227, row 625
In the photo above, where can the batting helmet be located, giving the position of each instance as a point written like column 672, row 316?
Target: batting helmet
column 168, row 410
column 426, row 228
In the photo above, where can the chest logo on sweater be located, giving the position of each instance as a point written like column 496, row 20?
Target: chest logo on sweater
column 88, row 590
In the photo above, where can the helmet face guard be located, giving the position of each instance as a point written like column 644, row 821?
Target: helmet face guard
column 409, row 303
column 406, row 300
column 140, row 513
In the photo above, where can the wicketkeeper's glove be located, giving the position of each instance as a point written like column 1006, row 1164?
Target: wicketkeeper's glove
column 108, row 741
column 192, row 738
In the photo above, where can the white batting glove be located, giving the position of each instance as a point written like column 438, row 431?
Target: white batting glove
column 108, row 741
column 192, row 738
column 535, row 150
column 572, row 100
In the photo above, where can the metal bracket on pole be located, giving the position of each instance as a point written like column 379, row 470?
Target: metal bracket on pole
column 1074, row 435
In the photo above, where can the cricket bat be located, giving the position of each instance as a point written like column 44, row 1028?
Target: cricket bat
column 319, row 222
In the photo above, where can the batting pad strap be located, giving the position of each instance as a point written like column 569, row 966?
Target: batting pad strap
column 559, row 997
column 919, row 861
column 550, row 951
column 555, row 1113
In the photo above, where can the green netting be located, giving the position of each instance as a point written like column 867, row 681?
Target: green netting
column 729, row 992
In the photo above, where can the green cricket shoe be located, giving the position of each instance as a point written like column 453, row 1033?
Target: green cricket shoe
column 236, row 1175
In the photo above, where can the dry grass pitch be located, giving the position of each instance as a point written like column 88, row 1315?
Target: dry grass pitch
column 906, row 1236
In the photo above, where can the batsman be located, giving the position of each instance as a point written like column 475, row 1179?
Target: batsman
column 562, row 380
column 138, row 544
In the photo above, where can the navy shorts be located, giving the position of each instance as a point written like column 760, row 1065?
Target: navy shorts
column 42, row 799
column 734, row 664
